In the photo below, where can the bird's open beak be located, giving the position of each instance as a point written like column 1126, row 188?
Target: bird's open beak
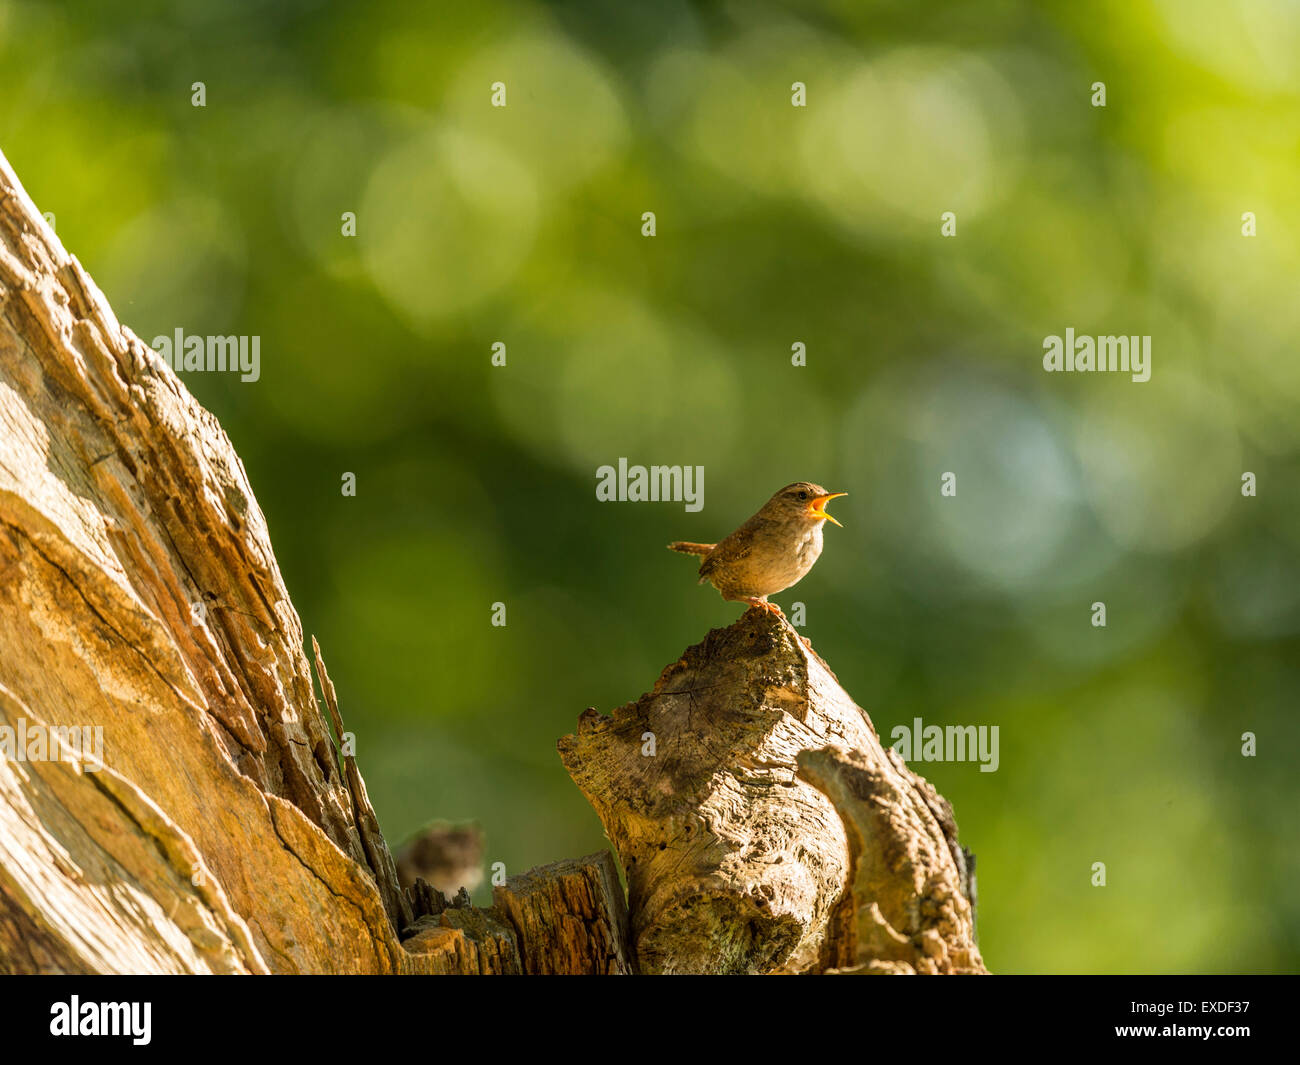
column 817, row 508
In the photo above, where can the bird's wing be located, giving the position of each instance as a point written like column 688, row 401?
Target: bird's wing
column 729, row 551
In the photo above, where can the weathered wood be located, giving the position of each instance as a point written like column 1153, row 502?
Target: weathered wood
column 94, row 877
column 459, row 940
column 735, row 861
column 139, row 595
column 568, row 918
column 906, row 908
column 378, row 859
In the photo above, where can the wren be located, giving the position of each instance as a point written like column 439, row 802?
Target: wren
column 771, row 551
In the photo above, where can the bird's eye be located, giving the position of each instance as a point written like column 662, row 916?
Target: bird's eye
column 803, row 496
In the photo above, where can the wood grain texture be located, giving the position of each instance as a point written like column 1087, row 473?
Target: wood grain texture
column 219, row 829
column 122, row 504
column 570, row 918
column 564, row 919
column 743, row 856
column 906, row 907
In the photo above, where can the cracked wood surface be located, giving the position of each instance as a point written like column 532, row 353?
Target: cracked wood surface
column 564, row 919
column 122, row 503
column 762, row 823
column 906, row 908
column 217, row 830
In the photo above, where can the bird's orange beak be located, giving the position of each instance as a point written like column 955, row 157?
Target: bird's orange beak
column 817, row 508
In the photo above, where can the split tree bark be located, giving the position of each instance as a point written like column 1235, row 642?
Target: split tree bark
column 224, row 832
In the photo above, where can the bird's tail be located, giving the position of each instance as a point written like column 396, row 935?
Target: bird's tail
column 688, row 548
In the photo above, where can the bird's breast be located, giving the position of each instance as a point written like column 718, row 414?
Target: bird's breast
column 787, row 562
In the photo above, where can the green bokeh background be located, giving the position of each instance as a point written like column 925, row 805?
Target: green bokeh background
column 775, row 225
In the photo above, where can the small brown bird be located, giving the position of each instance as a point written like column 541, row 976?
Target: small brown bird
column 771, row 551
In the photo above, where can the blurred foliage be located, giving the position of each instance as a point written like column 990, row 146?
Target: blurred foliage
column 775, row 224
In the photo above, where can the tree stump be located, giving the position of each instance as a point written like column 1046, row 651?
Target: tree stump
column 762, row 824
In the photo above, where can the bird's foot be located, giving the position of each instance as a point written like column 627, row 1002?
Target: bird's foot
column 763, row 604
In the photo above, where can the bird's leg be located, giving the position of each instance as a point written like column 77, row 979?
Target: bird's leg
column 762, row 604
